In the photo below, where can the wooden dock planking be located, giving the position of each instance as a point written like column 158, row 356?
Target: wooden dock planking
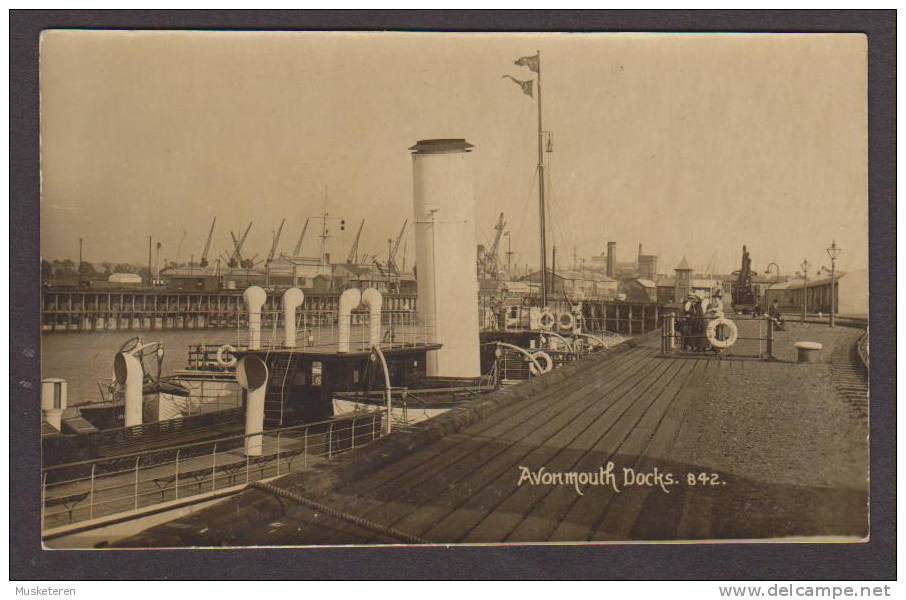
column 625, row 509
column 458, row 475
column 484, row 490
column 696, row 516
column 543, row 518
column 486, row 433
column 463, row 488
column 457, row 455
column 499, row 522
column 565, row 513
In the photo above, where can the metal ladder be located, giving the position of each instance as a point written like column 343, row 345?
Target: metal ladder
column 274, row 397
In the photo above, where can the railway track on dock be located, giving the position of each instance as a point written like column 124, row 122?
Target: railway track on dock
column 849, row 375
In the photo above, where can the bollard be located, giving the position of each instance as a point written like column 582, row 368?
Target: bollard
column 808, row 352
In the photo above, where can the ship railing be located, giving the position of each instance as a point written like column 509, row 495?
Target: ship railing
column 90, row 493
column 399, row 329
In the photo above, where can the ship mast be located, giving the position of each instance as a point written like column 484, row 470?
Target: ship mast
column 541, row 211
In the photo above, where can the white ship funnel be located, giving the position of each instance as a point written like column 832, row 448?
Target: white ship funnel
column 130, row 374
column 349, row 300
column 254, row 297
column 444, row 194
column 251, row 372
column 54, row 399
column 292, row 299
column 373, row 300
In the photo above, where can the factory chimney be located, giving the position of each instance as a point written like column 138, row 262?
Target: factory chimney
column 444, row 196
column 611, row 258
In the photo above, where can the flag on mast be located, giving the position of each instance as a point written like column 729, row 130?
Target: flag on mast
column 527, row 86
column 532, row 62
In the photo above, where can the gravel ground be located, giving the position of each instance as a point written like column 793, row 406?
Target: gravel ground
column 794, row 454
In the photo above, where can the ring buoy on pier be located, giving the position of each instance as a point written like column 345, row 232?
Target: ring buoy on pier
column 541, row 357
column 222, row 353
column 566, row 321
column 711, row 333
column 547, row 320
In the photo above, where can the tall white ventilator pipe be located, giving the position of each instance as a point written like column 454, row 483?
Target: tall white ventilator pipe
column 373, row 300
column 349, row 300
column 254, row 297
column 130, row 374
column 251, row 372
column 292, row 299
column 54, row 398
column 444, row 194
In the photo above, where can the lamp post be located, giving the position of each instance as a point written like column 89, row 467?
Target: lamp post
column 804, row 267
column 776, row 267
column 833, row 252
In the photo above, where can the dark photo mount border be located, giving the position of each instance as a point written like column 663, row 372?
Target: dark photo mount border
column 873, row 560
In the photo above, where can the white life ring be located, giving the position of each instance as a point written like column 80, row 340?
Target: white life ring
column 224, row 362
column 541, row 356
column 547, row 320
column 711, row 333
column 566, row 321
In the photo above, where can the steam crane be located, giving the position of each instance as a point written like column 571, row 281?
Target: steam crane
column 207, row 245
column 270, row 255
column 391, row 258
column 743, row 295
column 236, row 259
column 354, row 250
column 492, row 259
column 298, row 248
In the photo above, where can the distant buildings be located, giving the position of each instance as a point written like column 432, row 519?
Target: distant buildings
column 851, row 289
column 306, row 273
column 645, row 265
column 576, row 284
column 299, row 271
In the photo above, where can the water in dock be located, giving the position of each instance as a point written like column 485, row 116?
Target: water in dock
column 84, row 359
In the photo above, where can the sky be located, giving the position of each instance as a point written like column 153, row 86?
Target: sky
column 691, row 145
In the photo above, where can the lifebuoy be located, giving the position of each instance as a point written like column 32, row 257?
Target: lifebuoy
column 541, row 356
column 224, row 362
column 547, row 320
column 566, row 321
column 711, row 333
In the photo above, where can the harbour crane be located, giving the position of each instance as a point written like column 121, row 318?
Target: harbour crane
column 207, row 245
column 298, row 248
column 391, row 257
column 276, row 241
column 492, row 257
column 236, row 258
column 179, row 247
column 354, row 250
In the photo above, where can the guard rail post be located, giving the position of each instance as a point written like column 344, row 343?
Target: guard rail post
column 91, row 493
column 137, row 460
column 214, row 468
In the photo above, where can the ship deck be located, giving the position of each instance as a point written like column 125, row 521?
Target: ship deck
column 776, row 449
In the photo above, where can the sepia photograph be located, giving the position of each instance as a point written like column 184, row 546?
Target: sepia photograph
column 396, row 288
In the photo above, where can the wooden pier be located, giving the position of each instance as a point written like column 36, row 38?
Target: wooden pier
column 754, row 448
column 113, row 310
